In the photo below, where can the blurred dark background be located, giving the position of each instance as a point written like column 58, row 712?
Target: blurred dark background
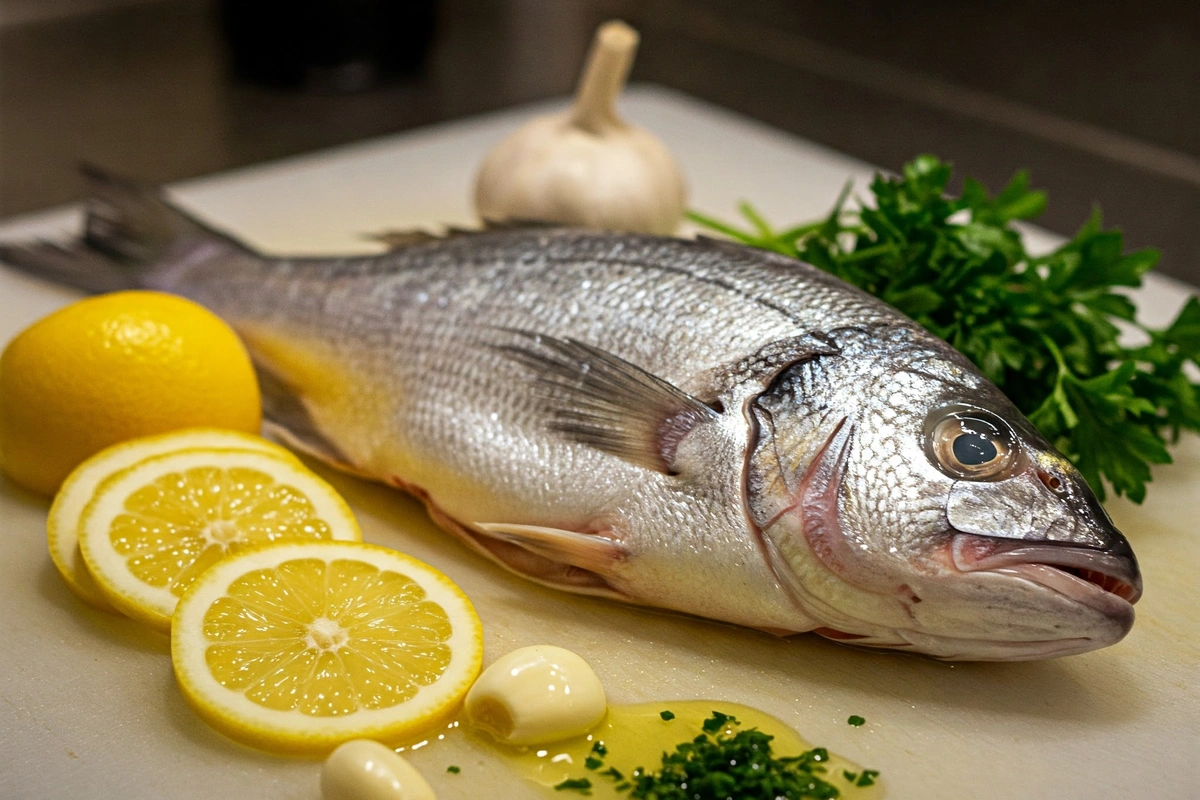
column 1100, row 100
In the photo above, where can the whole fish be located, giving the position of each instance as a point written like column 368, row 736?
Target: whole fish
column 692, row 425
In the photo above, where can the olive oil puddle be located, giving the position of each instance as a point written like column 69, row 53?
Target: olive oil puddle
column 637, row 735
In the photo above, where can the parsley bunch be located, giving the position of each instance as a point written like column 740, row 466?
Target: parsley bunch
column 723, row 764
column 1044, row 329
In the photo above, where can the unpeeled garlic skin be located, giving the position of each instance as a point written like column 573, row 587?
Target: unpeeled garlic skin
column 551, row 170
column 537, row 695
column 367, row 770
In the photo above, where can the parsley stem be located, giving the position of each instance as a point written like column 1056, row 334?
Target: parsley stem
column 720, row 227
column 750, row 213
column 799, row 231
column 1058, row 393
column 869, row 252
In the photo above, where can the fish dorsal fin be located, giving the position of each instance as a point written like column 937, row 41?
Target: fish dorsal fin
column 521, row 224
column 601, row 400
column 398, row 239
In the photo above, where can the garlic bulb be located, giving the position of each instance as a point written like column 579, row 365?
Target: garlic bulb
column 587, row 166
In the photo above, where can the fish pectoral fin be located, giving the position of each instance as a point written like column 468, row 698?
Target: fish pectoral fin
column 595, row 552
column 286, row 419
column 601, row 400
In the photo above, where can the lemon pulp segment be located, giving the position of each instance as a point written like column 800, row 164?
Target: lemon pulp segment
column 180, row 524
column 150, row 530
column 302, row 646
column 62, row 524
column 326, row 639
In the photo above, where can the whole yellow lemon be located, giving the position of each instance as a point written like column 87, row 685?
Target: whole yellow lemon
column 114, row 367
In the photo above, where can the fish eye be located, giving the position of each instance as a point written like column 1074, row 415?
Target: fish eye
column 971, row 444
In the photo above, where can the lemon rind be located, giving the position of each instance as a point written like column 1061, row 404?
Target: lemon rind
column 154, row 606
column 293, row 732
column 81, row 380
column 62, row 523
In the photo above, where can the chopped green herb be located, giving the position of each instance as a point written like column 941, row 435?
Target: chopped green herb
column 716, row 722
column 453, row 769
column 591, row 762
column 867, row 778
column 723, row 762
column 1044, row 329
column 667, row 715
column 581, row 785
column 599, row 749
column 850, row 776
column 856, row 720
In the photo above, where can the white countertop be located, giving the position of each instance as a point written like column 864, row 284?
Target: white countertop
column 88, row 703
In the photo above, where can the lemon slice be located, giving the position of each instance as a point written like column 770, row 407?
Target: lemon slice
column 62, row 526
column 299, row 647
column 151, row 529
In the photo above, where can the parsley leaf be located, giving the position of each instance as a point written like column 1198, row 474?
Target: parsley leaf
column 724, row 762
column 867, row 778
column 1044, row 329
column 581, row 785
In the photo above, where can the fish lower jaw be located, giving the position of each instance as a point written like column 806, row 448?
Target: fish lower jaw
column 1077, row 589
column 962, row 647
column 945, row 648
column 1056, row 614
column 950, row 648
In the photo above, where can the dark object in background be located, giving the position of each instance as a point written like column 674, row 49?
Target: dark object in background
column 327, row 45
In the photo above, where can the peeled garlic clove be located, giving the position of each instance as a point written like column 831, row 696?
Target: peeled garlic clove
column 365, row 770
column 536, row 695
column 587, row 166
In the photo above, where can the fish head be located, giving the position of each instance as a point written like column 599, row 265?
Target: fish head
column 905, row 502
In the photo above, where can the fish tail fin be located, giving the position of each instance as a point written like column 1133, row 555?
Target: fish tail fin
column 130, row 232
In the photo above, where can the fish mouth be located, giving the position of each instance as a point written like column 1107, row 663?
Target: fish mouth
column 1094, row 577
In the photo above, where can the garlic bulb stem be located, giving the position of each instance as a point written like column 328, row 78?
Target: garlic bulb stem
column 609, row 62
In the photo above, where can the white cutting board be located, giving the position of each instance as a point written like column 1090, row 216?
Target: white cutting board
column 88, row 704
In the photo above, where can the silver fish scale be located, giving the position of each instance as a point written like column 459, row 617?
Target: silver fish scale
column 678, row 309
column 402, row 376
